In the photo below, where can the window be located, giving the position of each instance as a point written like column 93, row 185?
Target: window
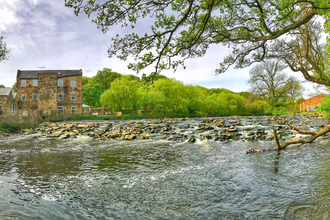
column 35, row 97
column 61, row 109
column 60, row 82
column 73, row 109
column 23, row 83
column 0, row 106
column 23, row 97
column 35, row 82
column 73, row 83
column 73, row 97
column 59, row 97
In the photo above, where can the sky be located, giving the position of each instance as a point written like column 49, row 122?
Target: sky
column 44, row 33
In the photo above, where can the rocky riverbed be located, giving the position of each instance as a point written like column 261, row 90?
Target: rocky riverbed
column 184, row 129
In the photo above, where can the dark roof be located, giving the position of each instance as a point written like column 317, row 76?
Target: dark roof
column 5, row 91
column 33, row 74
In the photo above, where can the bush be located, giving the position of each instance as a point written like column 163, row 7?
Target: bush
column 10, row 128
column 325, row 105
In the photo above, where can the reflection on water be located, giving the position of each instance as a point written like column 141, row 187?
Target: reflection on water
column 74, row 179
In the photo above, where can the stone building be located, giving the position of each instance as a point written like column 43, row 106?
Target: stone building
column 308, row 104
column 48, row 90
column 7, row 102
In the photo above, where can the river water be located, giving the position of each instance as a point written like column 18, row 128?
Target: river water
column 84, row 178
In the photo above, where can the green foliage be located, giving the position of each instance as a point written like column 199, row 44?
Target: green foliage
column 170, row 97
column 2, row 86
column 325, row 105
column 14, row 87
column 106, row 77
column 278, row 111
column 185, row 29
column 150, row 78
column 89, row 117
column 10, row 127
column 92, row 92
column 259, row 107
column 85, row 80
column 122, row 95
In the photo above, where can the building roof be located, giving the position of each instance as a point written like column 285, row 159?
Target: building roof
column 321, row 95
column 33, row 74
column 5, row 91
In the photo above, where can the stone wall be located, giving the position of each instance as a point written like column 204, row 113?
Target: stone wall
column 7, row 104
column 47, row 94
column 4, row 104
column 67, row 90
column 28, row 90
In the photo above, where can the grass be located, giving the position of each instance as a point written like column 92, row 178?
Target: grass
column 90, row 117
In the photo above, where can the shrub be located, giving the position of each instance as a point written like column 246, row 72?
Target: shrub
column 10, row 128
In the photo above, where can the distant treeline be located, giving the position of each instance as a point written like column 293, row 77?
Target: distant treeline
column 129, row 93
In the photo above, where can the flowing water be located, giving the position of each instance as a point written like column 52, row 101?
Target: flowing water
column 84, row 178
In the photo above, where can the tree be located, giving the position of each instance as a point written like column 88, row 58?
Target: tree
column 14, row 87
column 3, row 50
column 304, row 52
column 122, row 95
column 106, row 77
column 152, row 77
column 184, row 29
column 92, row 92
column 85, row 80
column 267, row 80
column 2, row 86
column 294, row 90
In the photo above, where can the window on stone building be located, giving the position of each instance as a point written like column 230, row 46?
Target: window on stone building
column 73, row 97
column 35, row 97
column 0, row 106
column 73, row 83
column 73, row 109
column 61, row 109
column 23, row 97
column 35, row 82
column 60, row 82
column 59, row 97
column 23, row 82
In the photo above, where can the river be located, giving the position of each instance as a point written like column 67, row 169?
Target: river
column 84, row 178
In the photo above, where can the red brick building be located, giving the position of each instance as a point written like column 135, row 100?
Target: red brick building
column 48, row 90
column 308, row 104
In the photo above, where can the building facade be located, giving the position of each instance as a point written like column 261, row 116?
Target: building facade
column 48, row 90
column 308, row 104
column 7, row 102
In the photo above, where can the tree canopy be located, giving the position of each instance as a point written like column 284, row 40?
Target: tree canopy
column 106, row 77
column 3, row 50
column 267, row 80
column 184, row 29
